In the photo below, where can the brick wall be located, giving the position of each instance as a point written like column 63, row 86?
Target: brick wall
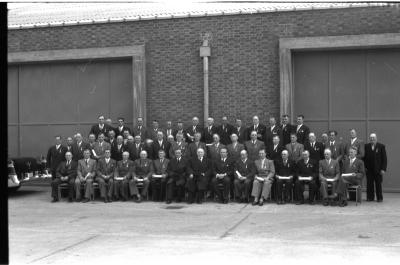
column 244, row 63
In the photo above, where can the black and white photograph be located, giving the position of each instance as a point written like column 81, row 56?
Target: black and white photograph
column 201, row 132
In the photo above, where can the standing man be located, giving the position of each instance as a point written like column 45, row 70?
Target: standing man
column 244, row 176
column 329, row 171
column 286, row 129
column 135, row 148
column 209, row 131
column 161, row 144
column 335, row 146
column 306, row 168
column 122, row 174
column 111, row 138
column 325, row 140
column 355, row 142
column 222, row 175
column 258, row 128
column 199, row 173
column 105, row 176
column 375, row 163
column 159, row 176
column 70, row 143
column 140, row 129
column 263, row 179
column 240, row 131
column 142, row 171
column 314, row 148
column 302, row 131
column 179, row 129
column 118, row 149
column 285, row 172
column 179, row 144
column 195, row 145
column 154, row 131
column 275, row 150
column 121, row 127
column 100, row 147
column 176, row 177
column 191, row 130
column 215, row 148
column 78, row 147
column 101, row 127
column 168, row 129
column 224, row 131
column 254, row 146
column 65, row 173
column 234, row 148
column 86, row 173
column 270, row 132
column 295, row 149
column 55, row 155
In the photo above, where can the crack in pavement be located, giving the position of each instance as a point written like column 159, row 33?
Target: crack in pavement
column 229, row 230
column 65, row 248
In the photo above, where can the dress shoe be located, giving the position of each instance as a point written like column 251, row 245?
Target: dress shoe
column 123, row 199
column 199, row 202
column 225, row 202
column 85, row 200
column 333, row 203
column 105, row 200
column 109, row 199
column 139, row 200
column 370, row 200
column 78, row 200
column 299, row 202
column 261, row 203
column 311, row 202
column 343, row 203
column 379, row 200
column 168, row 201
column 70, row 200
column 254, row 203
column 54, row 200
column 325, row 203
column 279, row 202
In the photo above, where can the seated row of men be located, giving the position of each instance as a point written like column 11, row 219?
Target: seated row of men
column 122, row 179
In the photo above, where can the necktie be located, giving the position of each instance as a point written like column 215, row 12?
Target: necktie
column 262, row 164
column 351, row 162
column 312, row 145
column 373, row 147
column 254, row 142
column 179, row 159
column 86, row 162
column 68, row 163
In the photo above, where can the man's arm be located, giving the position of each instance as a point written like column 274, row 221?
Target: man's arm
column 272, row 169
column 79, row 170
column 383, row 158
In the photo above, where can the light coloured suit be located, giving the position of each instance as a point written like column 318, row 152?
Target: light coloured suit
column 356, row 167
column 265, row 170
column 329, row 170
column 105, row 176
column 85, row 170
column 295, row 150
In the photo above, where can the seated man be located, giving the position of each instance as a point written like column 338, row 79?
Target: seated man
column 199, row 173
column 122, row 174
column 353, row 173
column 222, row 172
column 329, row 172
column 142, row 171
column 263, row 179
column 86, row 173
column 176, row 176
column 158, row 179
column 105, row 176
column 65, row 173
column 306, row 168
column 244, row 175
column 285, row 170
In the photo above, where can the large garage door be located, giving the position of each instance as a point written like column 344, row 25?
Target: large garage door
column 63, row 98
column 352, row 89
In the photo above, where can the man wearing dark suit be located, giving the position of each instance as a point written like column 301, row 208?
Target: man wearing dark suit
column 105, row 176
column 199, row 173
column 150, row 149
column 153, row 132
column 140, row 129
column 329, row 171
column 65, row 173
column 224, row 131
column 135, row 148
column 195, row 145
column 306, row 168
column 78, row 147
column 168, row 130
column 234, row 148
column 285, row 168
column 179, row 144
column 176, row 177
column 111, row 138
column 258, row 128
column 101, row 127
column 112, row 128
column 214, row 149
column 274, row 151
column 325, row 139
column 302, row 130
column 270, row 132
column 209, row 131
column 122, row 175
column 240, row 131
column 179, row 129
column 353, row 173
column 86, row 173
column 294, row 148
column 375, row 161
column 335, row 146
column 222, row 175
column 118, row 149
column 159, row 176
column 191, row 130
column 55, row 155
column 263, row 179
column 354, row 141
column 91, row 142
column 316, row 149
column 286, row 130
column 253, row 146
column 161, row 144
column 121, row 127
column 244, row 176
column 70, row 143
column 142, row 172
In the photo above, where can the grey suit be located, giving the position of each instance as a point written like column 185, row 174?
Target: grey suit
column 266, row 171
column 295, row 150
column 329, row 170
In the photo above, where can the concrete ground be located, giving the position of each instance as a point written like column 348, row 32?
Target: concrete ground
column 96, row 233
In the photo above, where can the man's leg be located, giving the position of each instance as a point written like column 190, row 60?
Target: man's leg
column 266, row 189
column 78, row 189
column 54, row 188
column 71, row 188
column 279, row 189
column 124, row 189
column 312, row 190
column 110, row 189
column 256, row 190
column 370, row 187
column 324, row 191
column 145, row 188
column 170, row 189
column 299, row 189
column 227, row 184
column 102, row 187
column 88, row 188
column 378, row 187
column 133, row 188
column 248, row 184
column 238, row 188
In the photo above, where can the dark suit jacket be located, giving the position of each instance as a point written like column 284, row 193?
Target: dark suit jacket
column 302, row 134
column 77, row 151
column 270, row 134
column 331, row 170
column 247, row 169
column 104, row 169
column 124, row 169
column 359, row 144
column 221, row 167
column 213, row 151
column 177, row 171
column 164, row 146
column 224, row 133
column 307, row 170
column 252, row 149
column 55, row 157
column 116, row 153
column 316, row 153
column 142, row 132
column 121, row 132
column 152, row 134
column 190, row 132
column 201, row 170
column 67, row 171
column 275, row 154
column 285, row 132
column 234, row 152
column 357, row 167
column 134, row 153
column 241, row 133
column 260, row 131
column 288, row 170
column 337, row 150
column 96, row 130
column 192, row 149
column 142, row 168
column 207, row 136
column 160, row 168
column 375, row 160
column 175, row 131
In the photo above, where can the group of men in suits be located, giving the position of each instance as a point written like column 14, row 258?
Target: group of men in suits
column 257, row 161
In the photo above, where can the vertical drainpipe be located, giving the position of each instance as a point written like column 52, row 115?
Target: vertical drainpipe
column 205, row 52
